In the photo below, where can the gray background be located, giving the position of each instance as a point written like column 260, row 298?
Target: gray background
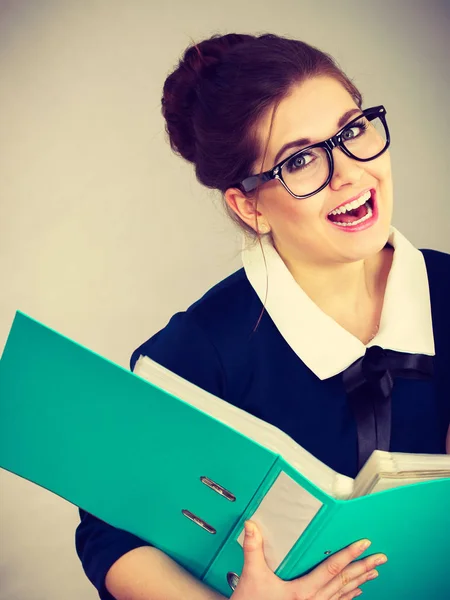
column 105, row 234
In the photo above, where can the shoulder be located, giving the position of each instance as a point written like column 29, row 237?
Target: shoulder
column 438, row 269
column 435, row 259
column 195, row 343
column 230, row 303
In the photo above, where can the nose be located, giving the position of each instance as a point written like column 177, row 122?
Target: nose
column 347, row 171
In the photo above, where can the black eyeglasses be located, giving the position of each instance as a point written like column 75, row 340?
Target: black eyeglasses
column 310, row 170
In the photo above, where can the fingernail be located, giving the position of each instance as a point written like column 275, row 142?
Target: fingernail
column 249, row 529
column 372, row 575
column 364, row 544
column 358, row 593
column 381, row 560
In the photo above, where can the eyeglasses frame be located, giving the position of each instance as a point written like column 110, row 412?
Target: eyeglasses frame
column 252, row 182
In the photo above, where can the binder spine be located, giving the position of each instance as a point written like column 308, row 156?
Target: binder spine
column 260, row 492
column 289, row 568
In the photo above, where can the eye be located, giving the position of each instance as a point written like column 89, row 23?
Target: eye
column 354, row 131
column 300, row 161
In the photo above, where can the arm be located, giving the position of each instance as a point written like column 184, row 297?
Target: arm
column 148, row 574
column 123, row 567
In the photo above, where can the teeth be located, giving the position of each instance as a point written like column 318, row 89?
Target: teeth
column 351, row 205
column 369, row 214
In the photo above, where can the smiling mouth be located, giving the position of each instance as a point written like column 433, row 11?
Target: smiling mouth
column 353, row 213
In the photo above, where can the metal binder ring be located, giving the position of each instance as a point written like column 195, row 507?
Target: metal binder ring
column 233, row 580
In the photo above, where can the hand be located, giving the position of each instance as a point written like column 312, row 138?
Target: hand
column 337, row 578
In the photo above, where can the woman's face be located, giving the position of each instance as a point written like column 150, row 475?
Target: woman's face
column 301, row 229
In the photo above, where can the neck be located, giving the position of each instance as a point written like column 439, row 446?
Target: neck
column 343, row 290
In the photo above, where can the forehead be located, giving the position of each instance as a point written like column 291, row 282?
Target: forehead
column 311, row 110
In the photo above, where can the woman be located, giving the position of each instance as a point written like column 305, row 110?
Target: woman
column 277, row 127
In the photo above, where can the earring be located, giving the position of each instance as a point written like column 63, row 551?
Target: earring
column 263, row 228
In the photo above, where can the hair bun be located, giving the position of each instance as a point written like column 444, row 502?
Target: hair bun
column 181, row 88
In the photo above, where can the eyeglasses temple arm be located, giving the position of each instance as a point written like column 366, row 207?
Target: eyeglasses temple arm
column 251, row 183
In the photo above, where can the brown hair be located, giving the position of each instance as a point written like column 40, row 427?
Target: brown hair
column 220, row 89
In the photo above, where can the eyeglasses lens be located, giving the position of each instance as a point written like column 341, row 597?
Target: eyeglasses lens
column 307, row 171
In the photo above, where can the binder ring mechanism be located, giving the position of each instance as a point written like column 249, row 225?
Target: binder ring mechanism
column 200, row 522
column 216, row 488
column 233, row 580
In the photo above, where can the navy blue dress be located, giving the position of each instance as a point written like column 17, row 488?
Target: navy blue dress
column 214, row 345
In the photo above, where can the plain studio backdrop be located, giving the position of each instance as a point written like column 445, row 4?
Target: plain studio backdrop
column 104, row 233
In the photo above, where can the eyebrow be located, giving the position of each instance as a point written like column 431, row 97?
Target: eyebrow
column 306, row 141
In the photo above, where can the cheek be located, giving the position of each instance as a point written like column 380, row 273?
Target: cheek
column 381, row 168
column 280, row 207
column 292, row 213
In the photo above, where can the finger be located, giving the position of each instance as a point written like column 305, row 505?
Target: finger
column 348, row 596
column 354, row 575
column 257, row 579
column 254, row 560
column 333, row 566
column 354, row 586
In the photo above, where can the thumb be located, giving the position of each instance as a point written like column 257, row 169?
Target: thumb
column 254, row 561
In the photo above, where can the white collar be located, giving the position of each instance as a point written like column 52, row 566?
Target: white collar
column 322, row 344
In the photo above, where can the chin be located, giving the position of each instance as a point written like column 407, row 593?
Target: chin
column 367, row 244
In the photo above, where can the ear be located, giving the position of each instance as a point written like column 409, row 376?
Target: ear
column 246, row 210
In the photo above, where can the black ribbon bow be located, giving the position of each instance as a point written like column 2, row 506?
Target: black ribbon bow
column 369, row 382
